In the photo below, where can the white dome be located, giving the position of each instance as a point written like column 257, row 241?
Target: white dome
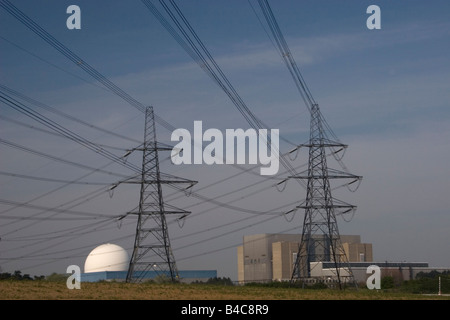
column 107, row 257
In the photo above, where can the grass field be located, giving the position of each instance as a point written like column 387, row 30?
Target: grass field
column 39, row 290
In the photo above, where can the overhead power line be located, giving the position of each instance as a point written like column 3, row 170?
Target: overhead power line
column 24, row 176
column 48, row 156
column 189, row 40
column 52, row 64
column 87, row 68
column 20, row 107
column 320, row 239
column 60, row 113
column 288, row 58
column 77, row 60
column 91, row 215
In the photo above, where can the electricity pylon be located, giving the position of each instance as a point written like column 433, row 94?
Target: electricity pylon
column 320, row 241
column 152, row 254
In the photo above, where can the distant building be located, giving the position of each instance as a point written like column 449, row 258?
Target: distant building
column 271, row 257
column 109, row 262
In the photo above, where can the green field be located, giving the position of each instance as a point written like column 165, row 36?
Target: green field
column 37, row 290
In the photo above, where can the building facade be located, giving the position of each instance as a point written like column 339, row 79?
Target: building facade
column 271, row 257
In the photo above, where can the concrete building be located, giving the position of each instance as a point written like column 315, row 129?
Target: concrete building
column 271, row 257
column 358, row 252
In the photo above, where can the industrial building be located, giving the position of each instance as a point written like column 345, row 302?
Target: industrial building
column 109, row 262
column 271, row 257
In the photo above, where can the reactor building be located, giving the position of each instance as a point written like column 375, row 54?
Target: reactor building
column 110, row 262
column 271, row 257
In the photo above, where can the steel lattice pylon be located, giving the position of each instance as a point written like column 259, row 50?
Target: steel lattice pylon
column 320, row 241
column 152, row 252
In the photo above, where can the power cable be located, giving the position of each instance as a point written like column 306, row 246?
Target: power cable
column 193, row 45
column 18, row 106
column 23, row 176
column 91, row 215
column 166, row 124
column 57, row 159
column 63, row 114
column 52, row 64
column 38, row 30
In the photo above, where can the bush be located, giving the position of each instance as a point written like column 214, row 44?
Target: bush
column 427, row 282
column 220, row 281
column 216, row 281
column 387, row 282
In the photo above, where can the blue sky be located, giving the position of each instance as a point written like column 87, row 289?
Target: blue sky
column 384, row 92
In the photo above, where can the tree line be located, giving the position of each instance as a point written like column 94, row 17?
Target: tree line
column 17, row 275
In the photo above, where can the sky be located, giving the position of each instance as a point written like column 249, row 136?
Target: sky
column 384, row 92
